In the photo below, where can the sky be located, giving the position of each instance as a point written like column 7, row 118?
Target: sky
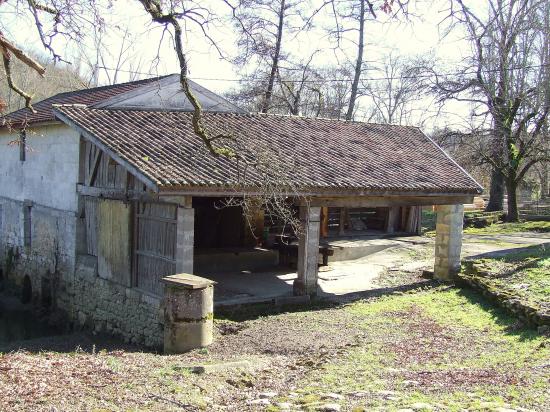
column 419, row 35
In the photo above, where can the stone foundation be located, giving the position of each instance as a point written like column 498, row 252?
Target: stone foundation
column 70, row 285
column 105, row 306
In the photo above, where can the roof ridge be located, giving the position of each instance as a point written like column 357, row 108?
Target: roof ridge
column 109, row 86
column 299, row 116
column 253, row 114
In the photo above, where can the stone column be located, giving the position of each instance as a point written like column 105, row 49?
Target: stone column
column 448, row 241
column 185, row 236
column 188, row 312
column 308, row 251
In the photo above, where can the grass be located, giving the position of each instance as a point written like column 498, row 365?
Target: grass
column 445, row 348
column 497, row 228
column 437, row 348
column 525, row 274
column 512, row 227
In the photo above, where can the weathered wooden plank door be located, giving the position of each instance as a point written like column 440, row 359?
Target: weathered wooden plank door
column 154, row 245
column 90, row 216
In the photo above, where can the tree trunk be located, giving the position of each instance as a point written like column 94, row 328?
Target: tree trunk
column 496, row 195
column 275, row 63
column 544, row 182
column 513, row 212
column 358, row 63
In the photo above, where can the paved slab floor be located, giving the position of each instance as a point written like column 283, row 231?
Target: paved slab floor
column 400, row 256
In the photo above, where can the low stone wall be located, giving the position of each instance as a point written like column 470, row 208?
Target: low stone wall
column 475, row 277
column 106, row 306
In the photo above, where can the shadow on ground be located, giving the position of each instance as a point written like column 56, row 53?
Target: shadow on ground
column 512, row 325
column 326, row 301
column 513, row 254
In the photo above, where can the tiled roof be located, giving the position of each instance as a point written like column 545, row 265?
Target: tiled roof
column 328, row 154
column 91, row 96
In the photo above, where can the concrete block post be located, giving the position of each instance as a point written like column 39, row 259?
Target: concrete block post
column 188, row 312
column 308, row 251
column 185, row 235
column 448, row 241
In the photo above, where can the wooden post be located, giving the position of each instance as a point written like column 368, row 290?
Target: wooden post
column 393, row 214
column 342, row 223
column 308, row 251
column 185, row 235
column 419, row 222
column 324, row 222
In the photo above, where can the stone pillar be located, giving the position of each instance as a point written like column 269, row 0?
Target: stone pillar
column 188, row 312
column 448, row 241
column 308, row 251
column 185, row 236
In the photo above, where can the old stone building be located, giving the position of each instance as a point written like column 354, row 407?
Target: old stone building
column 104, row 191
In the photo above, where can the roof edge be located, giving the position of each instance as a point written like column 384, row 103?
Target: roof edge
column 89, row 136
column 481, row 188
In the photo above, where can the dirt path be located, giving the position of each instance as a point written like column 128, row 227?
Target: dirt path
column 403, row 263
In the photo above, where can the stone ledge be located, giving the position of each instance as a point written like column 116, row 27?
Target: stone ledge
column 506, row 299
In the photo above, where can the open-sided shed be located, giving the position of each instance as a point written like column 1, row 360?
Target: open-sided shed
column 140, row 171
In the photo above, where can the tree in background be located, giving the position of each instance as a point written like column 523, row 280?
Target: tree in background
column 398, row 92
column 506, row 80
column 353, row 16
column 61, row 78
column 263, row 27
column 53, row 21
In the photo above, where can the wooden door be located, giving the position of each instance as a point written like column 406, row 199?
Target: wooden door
column 154, row 245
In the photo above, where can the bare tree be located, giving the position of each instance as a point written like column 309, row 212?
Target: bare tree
column 352, row 17
column 262, row 26
column 109, row 64
column 398, row 91
column 506, row 81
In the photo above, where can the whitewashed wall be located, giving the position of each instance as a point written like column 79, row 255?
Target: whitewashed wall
column 49, row 174
column 47, row 178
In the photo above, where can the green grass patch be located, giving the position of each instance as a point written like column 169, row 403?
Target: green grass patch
column 513, row 227
column 447, row 348
column 525, row 274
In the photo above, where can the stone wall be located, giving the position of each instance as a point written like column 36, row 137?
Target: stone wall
column 66, row 282
column 50, row 256
column 106, row 306
column 477, row 277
